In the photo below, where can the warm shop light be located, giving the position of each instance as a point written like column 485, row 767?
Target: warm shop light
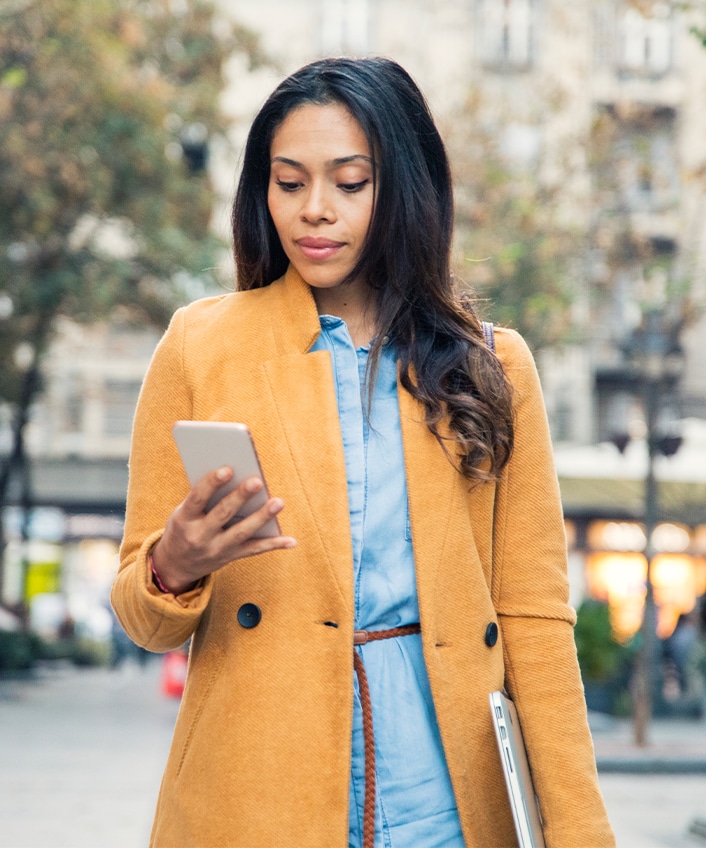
column 616, row 536
column 619, row 578
column 630, row 536
column 678, row 580
column 674, row 538
column 700, row 539
column 571, row 534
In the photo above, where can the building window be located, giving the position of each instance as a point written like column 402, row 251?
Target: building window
column 645, row 40
column 604, row 22
column 119, row 409
column 562, row 430
column 636, row 162
column 74, row 405
column 345, row 26
column 507, row 33
column 646, row 160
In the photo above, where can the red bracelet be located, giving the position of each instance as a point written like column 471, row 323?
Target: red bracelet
column 157, row 581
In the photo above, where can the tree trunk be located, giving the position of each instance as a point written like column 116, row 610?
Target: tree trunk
column 17, row 462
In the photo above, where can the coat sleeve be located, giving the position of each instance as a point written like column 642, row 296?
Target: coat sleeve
column 530, row 592
column 157, row 484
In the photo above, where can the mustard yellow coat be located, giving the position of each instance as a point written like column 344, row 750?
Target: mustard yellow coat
column 261, row 750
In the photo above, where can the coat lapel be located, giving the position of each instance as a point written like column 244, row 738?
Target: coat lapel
column 432, row 491
column 304, row 396
column 448, row 557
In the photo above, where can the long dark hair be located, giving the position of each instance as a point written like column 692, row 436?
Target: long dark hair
column 445, row 362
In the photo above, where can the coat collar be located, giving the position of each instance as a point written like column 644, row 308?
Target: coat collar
column 294, row 317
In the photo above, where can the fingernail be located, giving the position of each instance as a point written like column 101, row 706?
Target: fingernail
column 290, row 543
column 276, row 506
column 223, row 473
column 253, row 485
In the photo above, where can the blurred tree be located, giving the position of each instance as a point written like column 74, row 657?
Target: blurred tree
column 106, row 112
column 516, row 245
column 635, row 172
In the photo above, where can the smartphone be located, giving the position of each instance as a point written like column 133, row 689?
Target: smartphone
column 207, row 445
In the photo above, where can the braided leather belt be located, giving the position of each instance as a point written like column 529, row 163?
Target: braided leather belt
column 361, row 637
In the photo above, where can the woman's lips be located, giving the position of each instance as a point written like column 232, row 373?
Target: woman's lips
column 318, row 248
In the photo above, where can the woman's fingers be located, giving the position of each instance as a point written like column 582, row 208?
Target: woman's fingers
column 258, row 545
column 211, row 534
column 241, row 533
column 233, row 504
column 194, row 505
column 197, row 542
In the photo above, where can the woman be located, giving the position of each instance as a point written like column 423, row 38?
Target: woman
column 412, row 466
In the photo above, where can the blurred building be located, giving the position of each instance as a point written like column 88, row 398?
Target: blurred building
column 62, row 555
column 609, row 95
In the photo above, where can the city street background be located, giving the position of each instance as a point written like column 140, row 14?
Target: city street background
column 576, row 134
column 83, row 751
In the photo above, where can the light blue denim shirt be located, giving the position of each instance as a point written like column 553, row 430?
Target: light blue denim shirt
column 415, row 801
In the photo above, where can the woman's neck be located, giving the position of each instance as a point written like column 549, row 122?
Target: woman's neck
column 354, row 304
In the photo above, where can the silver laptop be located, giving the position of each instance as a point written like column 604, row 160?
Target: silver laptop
column 523, row 801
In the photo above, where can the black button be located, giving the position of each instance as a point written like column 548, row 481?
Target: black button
column 491, row 634
column 249, row 615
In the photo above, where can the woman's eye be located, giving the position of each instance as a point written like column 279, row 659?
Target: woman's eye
column 351, row 188
column 287, row 186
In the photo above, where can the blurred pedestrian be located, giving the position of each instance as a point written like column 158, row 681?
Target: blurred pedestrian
column 679, row 647
column 417, row 473
column 122, row 648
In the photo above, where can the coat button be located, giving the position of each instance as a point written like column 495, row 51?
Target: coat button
column 249, row 615
column 491, row 634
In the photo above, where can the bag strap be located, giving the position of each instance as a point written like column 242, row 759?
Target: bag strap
column 489, row 334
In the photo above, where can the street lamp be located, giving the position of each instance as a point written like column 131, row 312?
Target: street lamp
column 194, row 145
column 656, row 362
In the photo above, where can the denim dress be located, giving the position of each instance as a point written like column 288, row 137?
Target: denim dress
column 415, row 804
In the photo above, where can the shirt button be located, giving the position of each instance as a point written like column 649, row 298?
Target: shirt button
column 491, row 634
column 249, row 616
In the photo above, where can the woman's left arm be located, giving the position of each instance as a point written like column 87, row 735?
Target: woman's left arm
column 530, row 592
column 154, row 619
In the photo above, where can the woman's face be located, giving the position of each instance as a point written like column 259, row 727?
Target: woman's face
column 321, row 192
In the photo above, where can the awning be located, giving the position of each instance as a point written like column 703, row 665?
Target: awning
column 599, row 481
column 683, row 502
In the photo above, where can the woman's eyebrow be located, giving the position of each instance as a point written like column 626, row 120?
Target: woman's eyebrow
column 286, row 161
column 343, row 160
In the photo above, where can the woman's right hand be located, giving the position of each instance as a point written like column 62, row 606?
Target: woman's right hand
column 196, row 543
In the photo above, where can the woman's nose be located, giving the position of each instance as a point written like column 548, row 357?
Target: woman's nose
column 317, row 205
